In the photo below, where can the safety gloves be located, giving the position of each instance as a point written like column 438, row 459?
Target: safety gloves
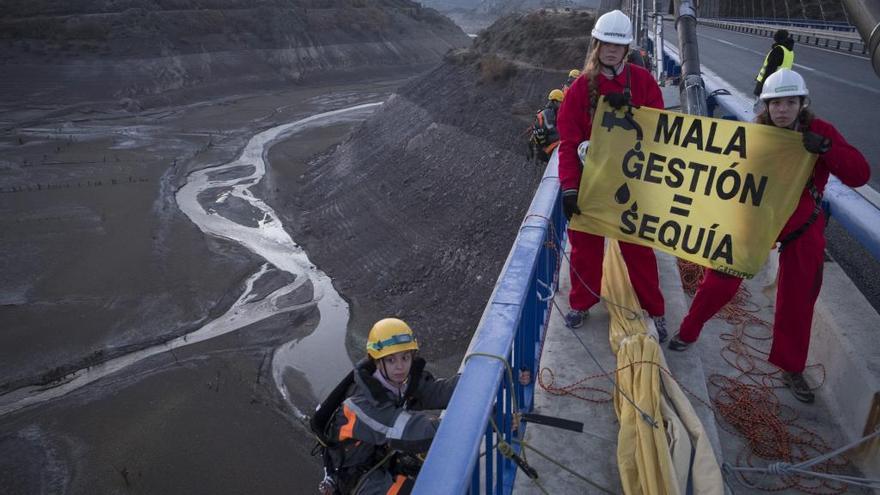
column 570, row 203
column 816, row 143
column 617, row 100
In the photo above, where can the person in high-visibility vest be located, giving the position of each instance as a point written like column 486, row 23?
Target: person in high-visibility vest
column 780, row 56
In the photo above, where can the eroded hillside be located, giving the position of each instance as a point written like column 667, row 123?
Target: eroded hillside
column 415, row 213
column 136, row 48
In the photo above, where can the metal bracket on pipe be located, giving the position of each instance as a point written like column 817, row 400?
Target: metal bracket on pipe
column 695, row 94
column 686, row 10
column 692, row 81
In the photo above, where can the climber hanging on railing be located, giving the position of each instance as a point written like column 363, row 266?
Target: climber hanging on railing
column 801, row 242
column 605, row 73
column 371, row 428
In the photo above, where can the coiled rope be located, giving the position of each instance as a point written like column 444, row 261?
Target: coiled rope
column 772, row 431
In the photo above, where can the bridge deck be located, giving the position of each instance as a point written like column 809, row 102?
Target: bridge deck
column 593, row 453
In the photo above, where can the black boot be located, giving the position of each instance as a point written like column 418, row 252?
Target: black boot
column 676, row 344
column 799, row 386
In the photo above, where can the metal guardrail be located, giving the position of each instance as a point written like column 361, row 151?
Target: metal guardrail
column 804, row 23
column 512, row 328
column 833, row 40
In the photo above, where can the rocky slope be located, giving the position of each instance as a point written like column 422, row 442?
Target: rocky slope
column 505, row 7
column 475, row 15
column 135, row 48
column 547, row 38
column 415, row 213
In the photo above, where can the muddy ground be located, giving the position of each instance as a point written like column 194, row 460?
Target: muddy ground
column 411, row 215
column 99, row 261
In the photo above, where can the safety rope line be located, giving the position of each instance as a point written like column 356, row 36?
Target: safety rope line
column 564, row 467
column 574, row 389
column 777, row 468
column 507, row 450
column 751, row 410
column 363, row 479
column 642, row 413
column 802, row 468
column 635, row 315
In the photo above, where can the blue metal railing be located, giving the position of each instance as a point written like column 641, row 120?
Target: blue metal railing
column 804, row 23
column 842, row 38
column 511, row 329
column 514, row 323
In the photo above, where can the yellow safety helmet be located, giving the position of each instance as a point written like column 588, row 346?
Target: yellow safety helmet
column 573, row 73
column 556, row 95
column 390, row 336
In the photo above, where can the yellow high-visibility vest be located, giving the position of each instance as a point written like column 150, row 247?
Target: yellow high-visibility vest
column 787, row 62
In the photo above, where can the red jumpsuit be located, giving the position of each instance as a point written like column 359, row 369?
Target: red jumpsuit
column 800, row 263
column 587, row 250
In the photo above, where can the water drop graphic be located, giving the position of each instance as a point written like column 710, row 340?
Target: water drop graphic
column 622, row 194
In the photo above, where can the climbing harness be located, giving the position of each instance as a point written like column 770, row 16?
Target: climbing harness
column 814, row 215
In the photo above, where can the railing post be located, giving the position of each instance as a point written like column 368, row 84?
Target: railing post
column 509, row 331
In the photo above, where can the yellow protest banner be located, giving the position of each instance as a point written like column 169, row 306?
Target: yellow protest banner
column 711, row 191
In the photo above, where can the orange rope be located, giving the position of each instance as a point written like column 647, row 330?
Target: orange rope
column 748, row 403
column 575, row 389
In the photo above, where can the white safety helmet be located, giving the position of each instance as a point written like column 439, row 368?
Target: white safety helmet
column 613, row 27
column 782, row 83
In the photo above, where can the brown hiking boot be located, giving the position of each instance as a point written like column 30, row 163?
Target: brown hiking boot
column 799, row 386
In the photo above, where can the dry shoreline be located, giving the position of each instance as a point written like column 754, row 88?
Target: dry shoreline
column 96, row 267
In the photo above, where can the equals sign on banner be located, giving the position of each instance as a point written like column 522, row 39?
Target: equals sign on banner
column 684, row 200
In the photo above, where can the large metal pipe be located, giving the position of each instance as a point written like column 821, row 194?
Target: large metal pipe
column 657, row 27
column 865, row 14
column 638, row 17
column 693, row 91
column 608, row 6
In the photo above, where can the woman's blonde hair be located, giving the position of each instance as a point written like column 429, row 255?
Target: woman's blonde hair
column 591, row 72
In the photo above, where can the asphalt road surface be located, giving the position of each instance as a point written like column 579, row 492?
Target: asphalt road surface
column 844, row 90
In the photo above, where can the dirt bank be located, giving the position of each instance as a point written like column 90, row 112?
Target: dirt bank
column 414, row 214
column 137, row 55
column 99, row 266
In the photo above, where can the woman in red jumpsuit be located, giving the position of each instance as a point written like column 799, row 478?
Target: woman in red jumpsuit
column 802, row 240
column 605, row 73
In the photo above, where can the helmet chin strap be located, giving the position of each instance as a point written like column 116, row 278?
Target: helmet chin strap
column 384, row 372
